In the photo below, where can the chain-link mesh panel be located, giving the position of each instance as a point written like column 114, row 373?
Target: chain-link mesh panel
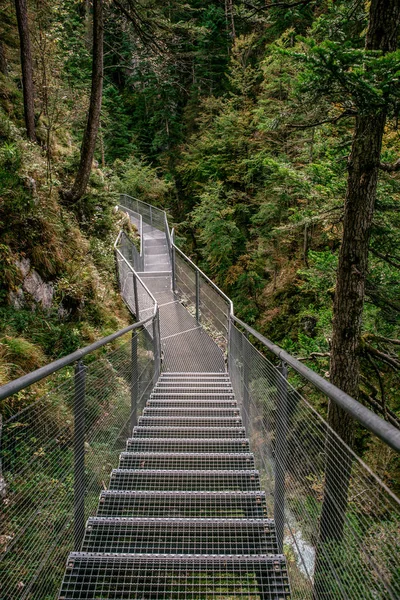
column 130, row 252
column 151, row 215
column 185, row 283
column 214, row 311
column 38, row 463
column 356, row 556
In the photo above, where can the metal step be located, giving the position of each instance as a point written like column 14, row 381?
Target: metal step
column 195, row 374
column 195, row 395
column 157, row 444
column 180, row 536
column 177, row 577
column 192, row 403
column 193, row 385
column 186, row 460
column 190, row 421
column 193, row 432
column 178, row 480
column 117, row 503
column 193, row 411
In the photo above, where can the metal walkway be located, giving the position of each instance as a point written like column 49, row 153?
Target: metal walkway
column 185, row 344
column 184, row 516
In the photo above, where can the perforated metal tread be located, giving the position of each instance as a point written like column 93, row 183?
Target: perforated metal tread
column 197, row 395
column 179, row 403
column 187, row 432
column 117, row 503
column 221, row 422
column 181, row 577
column 186, row 460
column 172, row 411
column 193, row 444
column 207, row 480
column 180, row 535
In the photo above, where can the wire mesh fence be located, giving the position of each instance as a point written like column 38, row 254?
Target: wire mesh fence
column 153, row 216
column 43, row 513
column 357, row 553
column 133, row 255
column 202, row 299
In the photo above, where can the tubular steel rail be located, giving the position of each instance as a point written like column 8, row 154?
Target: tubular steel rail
column 184, row 515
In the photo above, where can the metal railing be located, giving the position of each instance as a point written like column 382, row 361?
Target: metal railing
column 57, row 451
column 306, row 468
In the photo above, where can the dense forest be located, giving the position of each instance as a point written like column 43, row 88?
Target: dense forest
column 268, row 131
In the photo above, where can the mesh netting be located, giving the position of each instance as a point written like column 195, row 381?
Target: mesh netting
column 38, row 465
column 293, row 448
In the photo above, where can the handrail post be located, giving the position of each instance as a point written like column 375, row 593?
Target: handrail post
column 135, row 380
column 156, row 347
column 197, row 296
column 135, row 292
column 79, row 454
column 245, row 393
column 280, row 452
column 173, row 260
column 151, row 216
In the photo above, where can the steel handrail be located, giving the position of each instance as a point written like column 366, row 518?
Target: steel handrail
column 17, row 385
column 381, row 428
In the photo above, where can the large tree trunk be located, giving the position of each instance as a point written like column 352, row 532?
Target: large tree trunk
column 26, row 67
column 92, row 126
column 3, row 60
column 359, row 208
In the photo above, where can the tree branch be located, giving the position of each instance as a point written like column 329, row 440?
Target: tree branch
column 391, row 417
column 257, row 9
column 381, row 338
column 386, row 258
column 346, row 113
column 386, row 358
column 390, row 167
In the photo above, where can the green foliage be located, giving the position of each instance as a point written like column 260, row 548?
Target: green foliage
column 138, row 179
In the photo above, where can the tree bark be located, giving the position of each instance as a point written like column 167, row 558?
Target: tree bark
column 363, row 167
column 3, row 60
column 93, row 120
column 26, row 67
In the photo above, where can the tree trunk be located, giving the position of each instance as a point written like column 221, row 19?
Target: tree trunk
column 26, row 67
column 3, row 60
column 93, row 121
column 359, row 208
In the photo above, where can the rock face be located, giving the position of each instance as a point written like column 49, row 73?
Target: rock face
column 33, row 284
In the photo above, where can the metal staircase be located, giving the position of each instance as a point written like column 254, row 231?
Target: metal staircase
column 223, row 463
column 184, row 515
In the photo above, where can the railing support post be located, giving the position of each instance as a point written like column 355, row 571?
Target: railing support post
column 79, row 454
column 156, row 347
column 173, row 260
column 135, row 381
column 280, row 453
column 245, row 391
column 151, row 216
column 197, row 296
column 137, row 309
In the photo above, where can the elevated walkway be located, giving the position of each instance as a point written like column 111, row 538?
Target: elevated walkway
column 184, row 516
